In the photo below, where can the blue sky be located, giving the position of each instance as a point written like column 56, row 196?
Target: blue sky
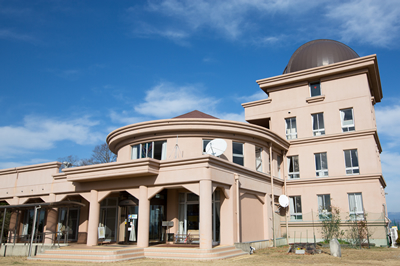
column 73, row 71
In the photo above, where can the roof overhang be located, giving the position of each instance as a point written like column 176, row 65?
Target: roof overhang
column 351, row 67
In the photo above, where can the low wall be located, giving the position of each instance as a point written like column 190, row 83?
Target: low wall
column 260, row 244
column 21, row 250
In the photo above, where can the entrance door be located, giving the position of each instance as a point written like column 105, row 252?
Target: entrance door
column 108, row 217
column 189, row 215
column 216, row 206
column 68, row 220
column 28, row 224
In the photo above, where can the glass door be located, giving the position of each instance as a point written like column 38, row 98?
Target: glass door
column 189, row 214
column 108, row 218
column 28, row 224
column 68, row 221
column 216, row 207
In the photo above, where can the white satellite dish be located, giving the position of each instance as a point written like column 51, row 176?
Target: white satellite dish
column 283, row 201
column 216, row 147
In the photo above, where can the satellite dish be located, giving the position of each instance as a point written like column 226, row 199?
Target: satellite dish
column 216, row 147
column 283, row 201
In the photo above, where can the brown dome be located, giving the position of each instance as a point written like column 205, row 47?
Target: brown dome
column 319, row 53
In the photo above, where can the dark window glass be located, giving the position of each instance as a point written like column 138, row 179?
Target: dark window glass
column 315, row 89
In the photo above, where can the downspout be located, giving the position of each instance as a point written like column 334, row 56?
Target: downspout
column 272, row 194
column 285, row 175
column 237, row 208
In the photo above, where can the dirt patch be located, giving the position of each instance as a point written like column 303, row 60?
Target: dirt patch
column 270, row 256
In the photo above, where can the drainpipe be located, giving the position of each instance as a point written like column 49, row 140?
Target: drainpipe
column 285, row 169
column 237, row 208
column 272, row 194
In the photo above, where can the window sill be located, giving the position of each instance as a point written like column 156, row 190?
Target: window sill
column 314, row 99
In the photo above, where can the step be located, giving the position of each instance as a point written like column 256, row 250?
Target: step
column 92, row 251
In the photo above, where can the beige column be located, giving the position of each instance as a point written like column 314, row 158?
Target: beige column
column 205, row 214
column 144, row 218
column 94, row 214
column 227, row 218
column 51, row 221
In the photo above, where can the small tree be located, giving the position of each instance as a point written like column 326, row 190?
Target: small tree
column 358, row 233
column 331, row 225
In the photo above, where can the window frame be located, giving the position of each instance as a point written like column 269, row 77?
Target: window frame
column 316, row 119
column 315, row 83
column 324, row 213
column 324, row 171
column 237, row 155
column 350, row 127
column 259, row 161
column 351, row 170
column 290, row 161
column 294, row 205
column 139, row 150
column 356, row 214
column 205, row 142
column 291, row 135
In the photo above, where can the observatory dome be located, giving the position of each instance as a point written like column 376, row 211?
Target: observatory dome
column 319, row 53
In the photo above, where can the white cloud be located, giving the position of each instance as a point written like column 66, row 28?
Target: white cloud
column 375, row 22
column 229, row 18
column 167, row 100
column 124, row 118
column 386, row 118
column 12, row 35
column 259, row 95
column 38, row 133
column 390, row 166
column 6, row 165
column 232, row 116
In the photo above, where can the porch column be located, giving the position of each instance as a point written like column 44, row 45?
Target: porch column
column 205, row 214
column 144, row 218
column 51, row 222
column 94, row 214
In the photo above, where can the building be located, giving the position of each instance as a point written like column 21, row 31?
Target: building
column 313, row 139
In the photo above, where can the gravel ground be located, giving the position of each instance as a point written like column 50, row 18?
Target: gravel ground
column 270, row 256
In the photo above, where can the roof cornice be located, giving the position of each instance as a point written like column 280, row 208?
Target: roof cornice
column 369, row 62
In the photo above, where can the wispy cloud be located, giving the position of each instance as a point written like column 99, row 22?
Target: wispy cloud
column 386, row 118
column 390, row 166
column 124, row 118
column 254, row 21
column 374, row 22
column 167, row 100
column 9, row 34
column 259, row 95
column 38, row 133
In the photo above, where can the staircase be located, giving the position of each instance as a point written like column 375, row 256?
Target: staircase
column 100, row 254
column 180, row 253
column 90, row 255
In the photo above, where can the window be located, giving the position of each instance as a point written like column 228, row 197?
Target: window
column 321, row 164
column 295, row 208
column 347, row 118
column 155, row 149
column 324, row 206
column 317, row 121
column 205, row 142
column 259, row 159
column 351, row 162
column 356, row 206
column 291, row 128
column 237, row 151
column 293, row 164
column 315, row 89
column 279, row 160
